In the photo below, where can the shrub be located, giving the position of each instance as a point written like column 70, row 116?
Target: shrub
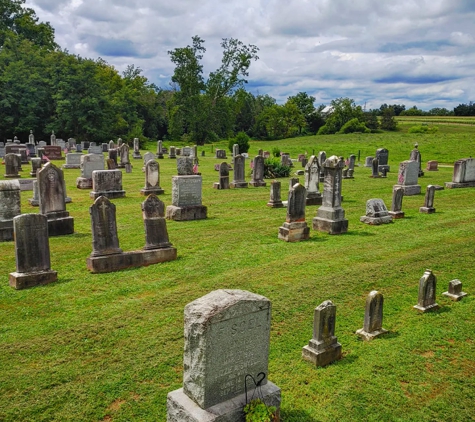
column 274, row 169
column 276, row 152
column 423, row 128
column 354, row 125
column 325, row 130
column 242, row 140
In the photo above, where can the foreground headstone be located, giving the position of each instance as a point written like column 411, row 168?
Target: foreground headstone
column 257, row 179
column 10, row 207
column 32, row 253
column 152, row 179
column 396, row 204
column 11, row 166
column 312, row 179
column 275, row 200
column 455, row 291
column 239, row 169
column 408, row 177
column 323, row 348
column 376, row 213
column 223, row 177
column 428, row 207
column 464, row 174
column 295, row 228
column 107, row 183
column 331, row 216
column 373, row 317
column 427, row 291
column 226, row 337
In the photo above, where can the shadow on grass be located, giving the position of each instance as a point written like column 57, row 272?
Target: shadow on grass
column 297, row 416
column 359, row 233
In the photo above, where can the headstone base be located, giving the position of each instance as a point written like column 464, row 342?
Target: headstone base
column 24, row 280
column 34, row 202
column 330, row 226
column 60, row 226
column 409, row 190
column 71, row 166
column 373, row 334
column 275, row 204
column 217, row 185
column 180, row 408
column 453, row 185
column 6, row 230
column 194, row 212
column 383, row 168
column 455, row 297
column 396, row 214
column 159, row 156
column 120, row 261
column 376, row 221
column 156, row 191
column 294, row 232
column 313, row 200
column 83, row 183
column 137, row 156
column 12, row 176
column 427, row 210
column 111, row 194
column 257, row 184
column 26, row 184
column 433, row 307
column 238, row 184
column 324, row 357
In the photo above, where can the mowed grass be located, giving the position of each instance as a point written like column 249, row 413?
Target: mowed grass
column 109, row 347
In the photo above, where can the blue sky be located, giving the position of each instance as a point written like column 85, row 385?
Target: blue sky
column 412, row 52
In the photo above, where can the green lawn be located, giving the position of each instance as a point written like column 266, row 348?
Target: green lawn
column 95, row 347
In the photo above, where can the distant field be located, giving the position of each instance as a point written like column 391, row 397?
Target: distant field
column 449, row 120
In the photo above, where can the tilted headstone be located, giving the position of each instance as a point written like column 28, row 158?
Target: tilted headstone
column 312, row 179
column 73, row 160
column 331, row 216
column 464, row 174
column 172, row 153
column 35, row 201
column 275, row 197
column 88, row 163
column 427, row 291
column 107, row 183
column 416, row 156
column 257, row 179
column 10, row 207
column 227, row 336
column 428, row 207
column 408, row 177
column 160, row 149
column 32, row 252
column 239, row 169
column 455, row 290
column 223, row 177
column 11, row 166
column 136, row 155
column 105, row 240
column 323, row 348
column 295, row 228
column 396, row 204
column 375, row 168
column 382, row 154
column 152, row 179
column 123, row 155
column 376, row 213
column 432, row 165
column 373, row 317
column 156, row 234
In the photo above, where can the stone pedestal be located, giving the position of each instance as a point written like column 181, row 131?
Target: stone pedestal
column 194, row 212
column 60, row 223
column 313, row 199
column 427, row 210
column 396, row 214
column 330, row 220
column 409, row 190
column 376, row 213
column 294, row 232
column 186, row 199
column 25, row 280
column 455, row 291
column 322, row 357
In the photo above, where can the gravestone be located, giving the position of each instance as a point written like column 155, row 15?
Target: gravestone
column 275, row 198
column 123, row 156
column 369, row 161
column 152, row 179
column 427, row 291
column 396, row 204
column 113, row 156
column 2, row 151
column 52, row 203
column 257, row 179
column 105, row 147
column 235, row 151
column 432, row 165
column 382, row 154
column 160, row 149
column 10, row 207
column 73, row 161
column 266, row 154
column 184, row 166
column 376, row 213
column 464, row 174
column 11, row 166
column 285, row 160
column 321, row 157
column 373, row 317
column 31, row 138
column 111, row 145
column 111, row 164
column 53, row 152
column 156, row 234
column 107, row 183
column 186, row 151
column 32, row 254
column 239, row 169
column 136, row 155
column 119, row 142
column 172, row 153
column 375, row 168
column 35, row 166
column 295, row 228
column 312, row 179
column 52, row 139
column 147, row 157
column 331, row 216
column 223, row 177
column 19, row 150
column 186, row 199
column 455, row 291
column 351, row 167
column 428, row 207
column 30, row 151
column 35, row 201
column 88, row 163
column 323, row 348
column 95, row 149
column 227, row 335
column 42, row 144
column 416, row 156
column 408, row 177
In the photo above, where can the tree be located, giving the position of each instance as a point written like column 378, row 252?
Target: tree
column 305, row 104
column 341, row 111
column 388, row 122
column 465, row 109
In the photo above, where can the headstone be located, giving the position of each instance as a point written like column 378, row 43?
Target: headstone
column 295, row 228
column 408, row 177
column 427, row 292
column 35, row 201
column 220, row 154
column 266, row 154
column 105, row 147
column 285, row 160
column 184, row 166
column 235, row 151
column 239, row 168
column 152, row 179
column 35, row 166
column 11, row 166
column 88, row 163
column 119, row 142
column 147, row 157
column 111, row 145
column 186, row 151
column 382, row 154
column 227, row 336
column 107, row 183
column 373, row 317
column 10, row 207
column 16, row 140
column 19, row 150
column 376, row 213
column 95, row 149
column 304, row 162
column 455, row 291
column 61, row 143
column 321, row 157
column 275, row 198
column 2, row 151
column 30, row 150
column 113, row 155
column 178, row 151
column 79, row 147
column 53, row 152
column 51, row 191
column 223, row 177
column 111, row 164
column 312, row 179
column 432, row 165
column 159, row 149
column 375, row 168
column 136, row 155
column 331, row 216
column 172, row 153
column 52, row 139
column 31, row 138
column 428, row 207
column 464, row 174
column 32, row 253
column 123, row 155
column 156, row 234
column 369, row 162
column 323, row 348
column 416, row 156
column 396, row 204
column 257, row 179
column 186, row 199
column 105, row 240
column 73, row 160
column 42, row 144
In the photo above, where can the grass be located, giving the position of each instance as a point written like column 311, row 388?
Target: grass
column 109, row 347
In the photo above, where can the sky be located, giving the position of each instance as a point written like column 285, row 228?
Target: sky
column 412, row 52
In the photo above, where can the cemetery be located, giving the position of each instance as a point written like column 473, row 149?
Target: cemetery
column 170, row 301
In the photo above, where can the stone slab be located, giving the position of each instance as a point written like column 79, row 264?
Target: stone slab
column 330, row 226
column 257, row 184
column 25, row 280
column 314, row 201
column 409, row 190
column 396, row 214
column 111, row 194
column 6, row 230
column 433, row 307
column 60, row 226
column 455, row 297
column 372, row 335
column 196, row 212
column 294, row 232
column 376, row 221
column 83, row 183
column 324, row 357
column 120, row 261
column 26, row 184
column 427, row 210
column 453, row 185
column 156, row 191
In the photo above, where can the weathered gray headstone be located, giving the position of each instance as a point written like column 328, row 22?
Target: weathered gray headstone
column 111, row 145
column 186, row 199
column 35, row 201
column 396, row 204
column 376, row 213
column 312, row 179
column 428, row 207
column 226, row 337
column 119, row 142
column 427, row 291
column 156, row 234
column 408, row 177
column 257, row 179
column 323, row 348
column 123, row 155
column 52, row 139
column 88, row 163
column 375, row 168
column 160, row 149
column 136, row 155
column 373, row 317
column 152, row 179
column 275, row 197
column 95, row 149
column 368, row 161
column 239, row 170
column 295, row 228
column 464, row 174
column 105, row 240
column 172, row 153
column 113, row 156
column 184, row 166
column 220, row 154
column 382, row 154
column 223, row 177
column 235, row 151
column 416, row 156
column 147, row 157
column 11, row 166
column 107, row 183
column 73, row 160
column 455, row 290
column 31, row 138
column 10, row 207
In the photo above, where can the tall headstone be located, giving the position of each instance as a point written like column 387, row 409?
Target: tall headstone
column 455, row 291
column 373, row 317
column 239, row 169
column 295, row 228
column 156, row 234
column 12, row 166
column 416, row 156
column 428, row 207
column 111, row 145
column 160, row 149
column 408, row 177
column 375, row 168
column 172, row 153
column 52, row 139
column 235, row 151
column 226, row 338
column 396, row 204
column 88, row 163
column 427, row 291
column 275, row 197
column 257, row 179
column 376, row 213
column 464, row 174
column 123, row 156
column 113, row 156
column 32, row 253
column 119, row 142
column 351, row 167
column 35, row 201
column 52, row 203
column 331, row 216
column 382, row 154
column 223, row 177
column 323, row 348
column 321, row 157
column 152, row 179
column 312, row 179
column 105, row 240
column 136, row 155
column 10, row 207
column 107, row 183
column 31, row 138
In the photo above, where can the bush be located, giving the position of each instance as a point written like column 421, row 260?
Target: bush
column 354, row 125
column 276, row 152
column 274, row 169
column 242, row 140
column 325, row 130
column 423, row 128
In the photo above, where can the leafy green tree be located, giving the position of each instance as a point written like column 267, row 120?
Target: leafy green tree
column 305, row 104
column 341, row 111
column 388, row 122
column 242, row 140
column 371, row 119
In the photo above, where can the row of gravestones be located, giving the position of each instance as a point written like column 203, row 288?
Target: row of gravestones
column 227, row 336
